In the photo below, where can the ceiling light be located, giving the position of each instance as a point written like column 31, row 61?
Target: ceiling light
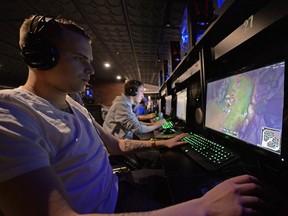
column 118, row 77
column 107, row 65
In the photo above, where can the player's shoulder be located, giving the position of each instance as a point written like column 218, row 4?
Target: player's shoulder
column 5, row 93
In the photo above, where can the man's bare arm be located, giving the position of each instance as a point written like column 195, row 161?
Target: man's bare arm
column 146, row 116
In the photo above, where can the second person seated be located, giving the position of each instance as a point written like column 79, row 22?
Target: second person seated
column 121, row 121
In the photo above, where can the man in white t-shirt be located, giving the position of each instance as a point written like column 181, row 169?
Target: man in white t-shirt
column 54, row 156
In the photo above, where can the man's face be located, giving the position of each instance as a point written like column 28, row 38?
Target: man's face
column 140, row 95
column 73, row 70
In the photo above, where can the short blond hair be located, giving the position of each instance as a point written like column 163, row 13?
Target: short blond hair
column 51, row 33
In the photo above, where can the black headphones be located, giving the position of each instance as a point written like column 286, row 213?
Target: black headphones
column 131, row 87
column 37, row 52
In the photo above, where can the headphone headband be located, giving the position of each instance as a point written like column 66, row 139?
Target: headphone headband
column 41, row 23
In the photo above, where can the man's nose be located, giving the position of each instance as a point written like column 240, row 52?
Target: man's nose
column 89, row 69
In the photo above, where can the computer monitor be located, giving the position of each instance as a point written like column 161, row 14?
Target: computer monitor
column 185, row 33
column 181, row 104
column 249, row 106
column 168, row 105
column 159, row 105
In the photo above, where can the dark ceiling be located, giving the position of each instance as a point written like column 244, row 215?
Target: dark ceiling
column 129, row 34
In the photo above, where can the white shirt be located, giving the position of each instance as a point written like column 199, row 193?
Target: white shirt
column 35, row 134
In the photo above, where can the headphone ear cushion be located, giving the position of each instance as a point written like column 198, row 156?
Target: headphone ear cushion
column 133, row 91
column 39, row 54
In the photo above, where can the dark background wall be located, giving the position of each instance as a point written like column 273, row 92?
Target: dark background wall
column 104, row 92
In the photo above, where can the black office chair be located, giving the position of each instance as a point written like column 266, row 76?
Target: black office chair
column 132, row 161
column 96, row 111
column 119, row 162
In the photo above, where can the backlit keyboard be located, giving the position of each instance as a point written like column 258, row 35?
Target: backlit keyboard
column 207, row 153
column 167, row 125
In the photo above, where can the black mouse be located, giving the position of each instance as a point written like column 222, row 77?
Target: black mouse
column 169, row 131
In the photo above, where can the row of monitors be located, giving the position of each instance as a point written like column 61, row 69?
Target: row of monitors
column 181, row 105
column 247, row 106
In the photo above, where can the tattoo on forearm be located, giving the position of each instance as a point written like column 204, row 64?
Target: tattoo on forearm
column 132, row 145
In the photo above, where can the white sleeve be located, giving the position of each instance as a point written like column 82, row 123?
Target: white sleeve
column 21, row 142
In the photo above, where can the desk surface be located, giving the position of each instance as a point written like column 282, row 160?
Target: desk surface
column 188, row 180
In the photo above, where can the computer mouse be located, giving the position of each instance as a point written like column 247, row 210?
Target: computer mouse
column 169, row 131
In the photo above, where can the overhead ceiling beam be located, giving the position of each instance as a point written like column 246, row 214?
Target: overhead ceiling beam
column 130, row 37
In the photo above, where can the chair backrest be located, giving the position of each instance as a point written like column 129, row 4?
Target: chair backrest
column 96, row 112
